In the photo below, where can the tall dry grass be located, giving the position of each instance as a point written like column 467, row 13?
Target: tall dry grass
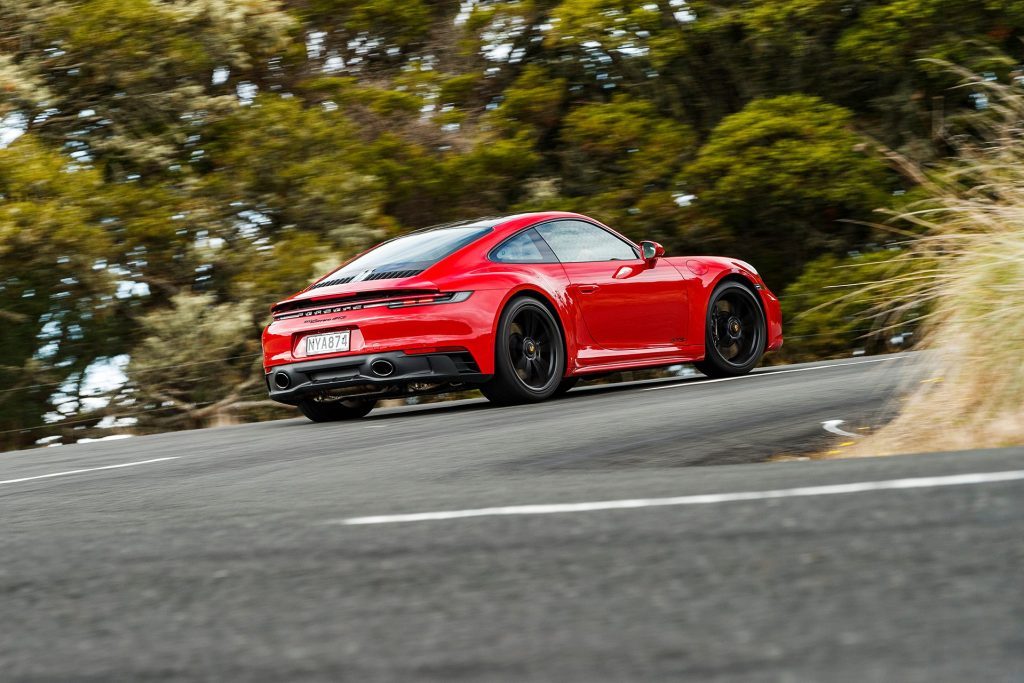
column 964, row 265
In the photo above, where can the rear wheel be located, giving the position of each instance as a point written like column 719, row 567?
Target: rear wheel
column 529, row 355
column 325, row 410
column 735, row 332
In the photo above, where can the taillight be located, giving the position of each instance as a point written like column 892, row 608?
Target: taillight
column 446, row 298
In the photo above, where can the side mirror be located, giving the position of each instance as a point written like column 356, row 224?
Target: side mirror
column 651, row 251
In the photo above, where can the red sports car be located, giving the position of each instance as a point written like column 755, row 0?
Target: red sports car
column 520, row 307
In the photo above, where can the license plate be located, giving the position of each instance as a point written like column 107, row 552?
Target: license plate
column 335, row 342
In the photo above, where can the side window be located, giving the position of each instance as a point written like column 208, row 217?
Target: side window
column 525, row 247
column 580, row 242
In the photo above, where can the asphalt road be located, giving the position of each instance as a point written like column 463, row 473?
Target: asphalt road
column 227, row 554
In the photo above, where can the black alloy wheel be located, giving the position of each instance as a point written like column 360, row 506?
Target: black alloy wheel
column 529, row 355
column 320, row 409
column 736, row 333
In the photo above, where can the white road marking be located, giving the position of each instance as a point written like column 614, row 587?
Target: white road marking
column 706, row 499
column 832, row 426
column 88, row 469
column 772, row 373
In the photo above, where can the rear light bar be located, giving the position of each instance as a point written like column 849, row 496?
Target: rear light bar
column 446, row 298
column 401, row 302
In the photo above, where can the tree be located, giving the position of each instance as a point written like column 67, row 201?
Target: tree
column 535, row 100
column 621, row 161
column 230, row 151
column 126, row 82
column 781, row 175
column 839, row 304
column 58, row 309
column 196, row 363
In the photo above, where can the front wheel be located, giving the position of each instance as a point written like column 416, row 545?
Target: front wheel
column 735, row 332
column 322, row 410
column 529, row 355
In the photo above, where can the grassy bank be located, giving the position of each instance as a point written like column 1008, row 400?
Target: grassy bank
column 965, row 261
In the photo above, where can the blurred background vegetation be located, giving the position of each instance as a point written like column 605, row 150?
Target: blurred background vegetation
column 168, row 169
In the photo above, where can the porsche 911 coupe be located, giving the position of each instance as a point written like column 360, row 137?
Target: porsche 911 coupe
column 520, row 307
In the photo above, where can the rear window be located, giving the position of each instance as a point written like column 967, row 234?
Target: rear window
column 413, row 252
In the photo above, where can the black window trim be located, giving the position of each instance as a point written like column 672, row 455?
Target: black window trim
column 632, row 247
column 537, row 239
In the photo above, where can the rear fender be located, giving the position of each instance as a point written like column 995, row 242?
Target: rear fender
column 563, row 309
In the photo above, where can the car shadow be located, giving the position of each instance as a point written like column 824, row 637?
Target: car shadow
column 480, row 403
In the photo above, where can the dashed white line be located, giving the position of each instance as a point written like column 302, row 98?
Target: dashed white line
column 706, row 499
column 88, row 469
column 772, row 373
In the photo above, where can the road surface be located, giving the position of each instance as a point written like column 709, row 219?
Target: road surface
column 285, row 550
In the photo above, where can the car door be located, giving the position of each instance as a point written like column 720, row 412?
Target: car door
column 626, row 302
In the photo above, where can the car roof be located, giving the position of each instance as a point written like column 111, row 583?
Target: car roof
column 516, row 221
column 505, row 223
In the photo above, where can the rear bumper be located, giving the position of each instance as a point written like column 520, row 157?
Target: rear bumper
column 380, row 375
column 466, row 326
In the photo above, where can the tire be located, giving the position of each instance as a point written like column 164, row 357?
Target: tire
column 566, row 385
column 735, row 331
column 529, row 356
column 335, row 411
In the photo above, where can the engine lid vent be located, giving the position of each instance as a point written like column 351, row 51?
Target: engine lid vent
column 332, row 282
column 383, row 275
column 393, row 274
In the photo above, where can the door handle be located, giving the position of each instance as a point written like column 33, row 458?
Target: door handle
column 588, row 289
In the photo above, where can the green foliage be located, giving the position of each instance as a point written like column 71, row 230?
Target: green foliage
column 781, row 174
column 534, row 99
column 297, row 166
column 171, row 381
column 488, row 177
column 56, row 306
column 458, row 90
column 623, row 157
column 397, row 23
column 129, row 77
column 891, row 35
column 224, row 152
column 838, row 305
column 613, row 24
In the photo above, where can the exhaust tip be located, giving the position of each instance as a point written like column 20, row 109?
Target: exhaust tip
column 282, row 380
column 382, row 368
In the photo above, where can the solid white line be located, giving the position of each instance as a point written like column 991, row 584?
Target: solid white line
column 832, row 426
column 772, row 373
column 88, row 469
column 858, row 487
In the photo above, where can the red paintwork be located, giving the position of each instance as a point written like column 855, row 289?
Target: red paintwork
column 640, row 314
